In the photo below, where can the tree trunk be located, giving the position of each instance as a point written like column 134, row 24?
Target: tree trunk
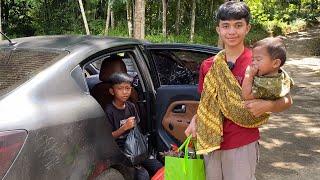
column 159, row 17
column 139, row 19
column 112, row 18
column 177, row 23
column 164, row 17
column 106, row 30
column 47, row 18
column 129, row 17
column 84, row 17
column 193, row 20
column 0, row 21
column 211, row 13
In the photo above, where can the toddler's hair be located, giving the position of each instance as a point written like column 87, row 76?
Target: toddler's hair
column 275, row 48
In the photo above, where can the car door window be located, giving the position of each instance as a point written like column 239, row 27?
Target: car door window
column 79, row 77
column 178, row 67
column 128, row 60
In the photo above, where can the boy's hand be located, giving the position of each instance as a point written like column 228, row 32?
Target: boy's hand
column 251, row 70
column 192, row 128
column 130, row 123
column 258, row 106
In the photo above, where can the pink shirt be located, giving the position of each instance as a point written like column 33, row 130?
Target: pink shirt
column 234, row 136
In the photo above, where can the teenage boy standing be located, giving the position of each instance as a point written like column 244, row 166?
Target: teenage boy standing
column 238, row 154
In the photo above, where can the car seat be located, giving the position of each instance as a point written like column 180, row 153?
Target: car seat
column 100, row 91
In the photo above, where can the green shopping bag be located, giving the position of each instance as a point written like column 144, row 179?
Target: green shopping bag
column 184, row 168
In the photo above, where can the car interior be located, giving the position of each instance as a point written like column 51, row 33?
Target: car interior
column 97, row 72
column 100, row 91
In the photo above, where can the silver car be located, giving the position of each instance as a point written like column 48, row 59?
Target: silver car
column 52, row 121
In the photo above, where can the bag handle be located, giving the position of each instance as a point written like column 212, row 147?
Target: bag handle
column 185, row 145
column 187, row 141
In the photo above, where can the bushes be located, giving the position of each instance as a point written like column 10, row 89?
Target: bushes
column 283, row 17
column 256, row 33
column 272, row 17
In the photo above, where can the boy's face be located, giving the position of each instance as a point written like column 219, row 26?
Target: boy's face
column 121, row 91
column 233, row 32
column 263, row 61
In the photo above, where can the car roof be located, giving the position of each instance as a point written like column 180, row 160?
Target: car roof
column 68, row 42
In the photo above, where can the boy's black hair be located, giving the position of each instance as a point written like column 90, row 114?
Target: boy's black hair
column 119, row 77
column 275, row 48
column 233, row 10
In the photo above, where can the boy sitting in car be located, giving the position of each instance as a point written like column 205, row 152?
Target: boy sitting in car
column 123, row 116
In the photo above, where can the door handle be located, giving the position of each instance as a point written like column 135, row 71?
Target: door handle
column 180, row 109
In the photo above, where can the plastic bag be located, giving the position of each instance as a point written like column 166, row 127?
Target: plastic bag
column 136, row 146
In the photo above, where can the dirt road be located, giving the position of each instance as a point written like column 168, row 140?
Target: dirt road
column 290, row 143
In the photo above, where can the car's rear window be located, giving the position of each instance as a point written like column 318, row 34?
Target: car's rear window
column 19, row 65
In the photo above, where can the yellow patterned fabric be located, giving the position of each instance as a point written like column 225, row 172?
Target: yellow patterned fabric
column 221, row 97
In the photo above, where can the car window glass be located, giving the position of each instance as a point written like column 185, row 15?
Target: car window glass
column 192, row 60
column 178, row 67
column 97, row 64
column 20, row 65
column 78, row 75
column 129, row 61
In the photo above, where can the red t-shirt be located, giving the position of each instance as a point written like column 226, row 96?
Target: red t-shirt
column 234, row 136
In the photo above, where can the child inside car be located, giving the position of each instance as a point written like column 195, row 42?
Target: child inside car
column 123, row 116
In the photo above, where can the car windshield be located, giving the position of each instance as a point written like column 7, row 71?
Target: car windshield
column 19, row 65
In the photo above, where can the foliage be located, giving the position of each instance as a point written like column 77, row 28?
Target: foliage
column 256, row 33
column 46, row 17
column 16, row 18
column 281, row 17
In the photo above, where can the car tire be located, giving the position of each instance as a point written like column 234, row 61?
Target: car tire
column 110, row 174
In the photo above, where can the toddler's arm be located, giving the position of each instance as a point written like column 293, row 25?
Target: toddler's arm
column 251, row 71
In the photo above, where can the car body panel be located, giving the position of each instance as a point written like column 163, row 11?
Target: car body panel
column 67, row 131
column 183, row 46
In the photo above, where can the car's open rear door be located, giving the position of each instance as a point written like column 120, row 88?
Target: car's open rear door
column 175, row 105
column 177, row 98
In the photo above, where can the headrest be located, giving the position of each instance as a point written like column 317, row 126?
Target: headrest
column 111, row 65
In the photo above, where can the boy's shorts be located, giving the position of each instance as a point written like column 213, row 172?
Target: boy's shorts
column 234, row 164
